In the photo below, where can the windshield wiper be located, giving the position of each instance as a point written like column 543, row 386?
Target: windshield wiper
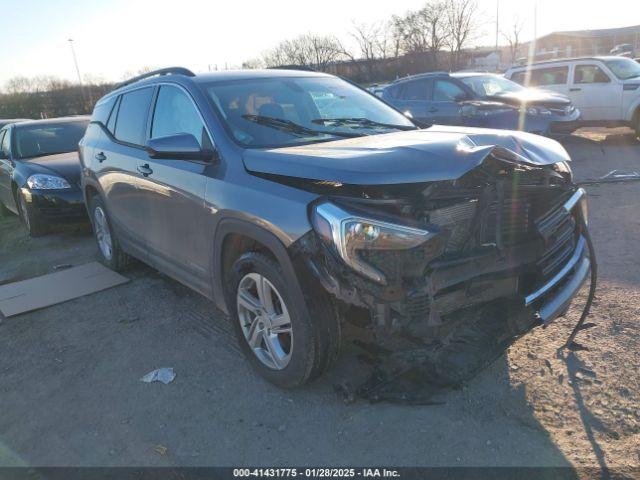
column 361, row 122
column 292, row 127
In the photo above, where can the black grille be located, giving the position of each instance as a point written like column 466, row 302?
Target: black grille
column 558, row 231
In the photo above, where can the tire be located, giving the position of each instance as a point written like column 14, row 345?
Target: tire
column 34, row 226
column 304, row 347
column 4, row 211
column 111, row 254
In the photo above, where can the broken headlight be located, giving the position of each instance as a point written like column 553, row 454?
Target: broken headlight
column 353, row 237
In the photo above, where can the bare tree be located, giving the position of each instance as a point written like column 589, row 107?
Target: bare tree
column 423, row 30
column 512, row 36
column 252, row 64
column 309, row 50
column 462, row 26
column 376, row 43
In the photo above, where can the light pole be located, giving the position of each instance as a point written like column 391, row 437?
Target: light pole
column 75, row 62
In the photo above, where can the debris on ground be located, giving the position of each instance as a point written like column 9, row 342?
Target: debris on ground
column 614, row 176
column 161, row 450
column 164, row 375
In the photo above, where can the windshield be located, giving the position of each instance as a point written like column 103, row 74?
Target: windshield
column 49, row 139
column 624, row 68
column 275, row 112
column 488, row 85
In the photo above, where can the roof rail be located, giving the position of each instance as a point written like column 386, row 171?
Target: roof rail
column 153, row 73
column 302, row 68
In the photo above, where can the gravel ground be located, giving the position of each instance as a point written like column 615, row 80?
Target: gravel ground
column 70, row 390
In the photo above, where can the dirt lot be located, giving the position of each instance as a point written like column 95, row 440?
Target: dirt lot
column 70, row 390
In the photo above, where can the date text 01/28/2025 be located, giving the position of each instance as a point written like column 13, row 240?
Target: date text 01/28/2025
column 316, row 472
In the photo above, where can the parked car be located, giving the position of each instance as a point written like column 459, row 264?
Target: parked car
column 624, row 49
column 481, row 100
column 251, row 188
column 605, row 89
column 40, row 172
column 377, row 89
column 7, row 121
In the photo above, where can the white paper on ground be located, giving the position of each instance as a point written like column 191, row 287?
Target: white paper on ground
column 58, row 287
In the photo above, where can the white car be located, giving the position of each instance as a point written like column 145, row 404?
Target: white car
column 605, row 89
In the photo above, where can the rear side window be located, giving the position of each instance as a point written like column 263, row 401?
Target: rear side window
column 590, row 74
column 542, row 76
column 549, row 76
column 111, row 124
column 132, row 115
column 415, row 90
column 176, row 113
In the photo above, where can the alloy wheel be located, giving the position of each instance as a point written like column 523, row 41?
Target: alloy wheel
column 103, row 234
column 265, row 321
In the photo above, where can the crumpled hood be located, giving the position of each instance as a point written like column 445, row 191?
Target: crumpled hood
column 433, row 154
column 533, row 97
column 66, row 165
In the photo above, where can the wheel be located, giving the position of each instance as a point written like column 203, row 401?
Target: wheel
column 111, row 253
column 283, row 344
column 35, row 227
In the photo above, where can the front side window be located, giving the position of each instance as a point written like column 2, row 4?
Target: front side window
column 176, row 113
column 488, row 85
column 624, row 68
column 445, row 91
column 415, row 90
column 590, row 74
column 132, row 115
column 281, row 111
column 48, row 139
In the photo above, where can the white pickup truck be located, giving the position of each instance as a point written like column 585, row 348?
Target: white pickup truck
column 605, row 89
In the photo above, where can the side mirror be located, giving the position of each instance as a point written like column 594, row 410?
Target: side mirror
column 461, row 97
column 182, row 146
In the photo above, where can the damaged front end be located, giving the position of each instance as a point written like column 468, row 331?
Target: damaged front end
column 481, row 258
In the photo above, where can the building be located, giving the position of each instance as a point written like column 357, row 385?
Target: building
column 583, row 43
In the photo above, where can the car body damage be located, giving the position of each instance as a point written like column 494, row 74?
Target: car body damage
column 504, row 239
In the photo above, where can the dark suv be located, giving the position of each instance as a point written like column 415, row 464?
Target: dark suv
column 298, row 201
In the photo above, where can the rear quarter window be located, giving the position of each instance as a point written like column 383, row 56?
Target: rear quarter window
column 102, row 110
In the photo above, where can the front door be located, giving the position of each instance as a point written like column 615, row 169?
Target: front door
column 174, row 190
column 445, row 102
column 595, row 93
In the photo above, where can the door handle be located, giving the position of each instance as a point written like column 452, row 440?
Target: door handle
column 101, row 157
column 433, row 110
column 145, row 170
column 575, row 89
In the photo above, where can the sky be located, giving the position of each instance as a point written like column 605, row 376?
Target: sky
column 116, row 37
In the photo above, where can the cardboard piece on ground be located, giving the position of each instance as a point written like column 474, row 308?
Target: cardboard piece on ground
column 58, row 287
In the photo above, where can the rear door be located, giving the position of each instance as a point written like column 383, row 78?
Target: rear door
column 554, row 78
column 413, row 97
column 595, row 92
column 115, row 162
column 6, row 168
column 174, row 189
